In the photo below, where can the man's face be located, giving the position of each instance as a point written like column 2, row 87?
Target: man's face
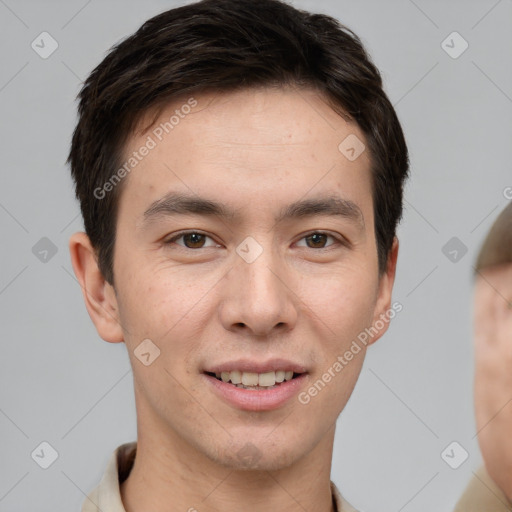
column 264, row 288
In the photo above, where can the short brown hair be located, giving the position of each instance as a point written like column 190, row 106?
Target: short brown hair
column 497, row 247
column 225, row 45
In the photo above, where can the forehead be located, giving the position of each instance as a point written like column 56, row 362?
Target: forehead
column 248, row 147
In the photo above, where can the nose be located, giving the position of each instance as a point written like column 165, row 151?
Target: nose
column 258, row 297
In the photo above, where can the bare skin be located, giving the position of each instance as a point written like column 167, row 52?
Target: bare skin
column 302, row 299
column 493, row 371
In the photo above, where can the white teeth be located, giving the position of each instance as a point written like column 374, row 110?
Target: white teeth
column 236, row 377
column 267, row 379
column 249, row 379
column 252, row 379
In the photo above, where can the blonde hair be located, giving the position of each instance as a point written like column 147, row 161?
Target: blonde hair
column 497, row 247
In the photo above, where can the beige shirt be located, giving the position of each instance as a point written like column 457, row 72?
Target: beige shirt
column 106, row 497
column 483, row 495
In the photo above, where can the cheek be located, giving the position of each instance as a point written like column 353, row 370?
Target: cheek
column 158, row 301
column 343, row 304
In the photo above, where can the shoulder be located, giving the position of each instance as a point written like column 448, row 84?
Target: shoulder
column 107, row 496
column 341, row 505
column 483, row 494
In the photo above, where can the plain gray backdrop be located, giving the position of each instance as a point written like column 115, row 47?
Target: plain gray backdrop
column 61, row 384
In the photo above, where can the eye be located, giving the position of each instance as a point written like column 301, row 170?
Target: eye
column 191, row 240
column 198, row 240
column 317, row 240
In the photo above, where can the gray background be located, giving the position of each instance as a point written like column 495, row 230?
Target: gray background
column 62, row 384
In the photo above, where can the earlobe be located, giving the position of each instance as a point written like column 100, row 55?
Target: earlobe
column 99, row 296
column 382, row 316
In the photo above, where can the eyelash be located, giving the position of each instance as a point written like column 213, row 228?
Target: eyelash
column 339, row 240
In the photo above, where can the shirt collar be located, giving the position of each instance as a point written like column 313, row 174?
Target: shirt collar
column 106, row 497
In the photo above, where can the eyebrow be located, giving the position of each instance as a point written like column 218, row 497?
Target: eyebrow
column 175, row 203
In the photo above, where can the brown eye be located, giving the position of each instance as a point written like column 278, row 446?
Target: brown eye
column 318, row 240
column 192, row 240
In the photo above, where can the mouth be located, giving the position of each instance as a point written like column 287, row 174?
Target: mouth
column 255, row 381
column 256, row 387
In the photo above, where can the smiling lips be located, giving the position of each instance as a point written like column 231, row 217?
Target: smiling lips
column 256, row 391
column 257, row 386
column 253, row 375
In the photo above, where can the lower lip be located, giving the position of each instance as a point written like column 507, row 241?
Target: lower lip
column 257, row 400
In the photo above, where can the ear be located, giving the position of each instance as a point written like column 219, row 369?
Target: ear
column 383, row 304
column 99, row 296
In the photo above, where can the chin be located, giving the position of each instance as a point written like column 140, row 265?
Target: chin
column 262, row 455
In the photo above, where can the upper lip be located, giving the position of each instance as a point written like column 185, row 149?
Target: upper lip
column 247, row 365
